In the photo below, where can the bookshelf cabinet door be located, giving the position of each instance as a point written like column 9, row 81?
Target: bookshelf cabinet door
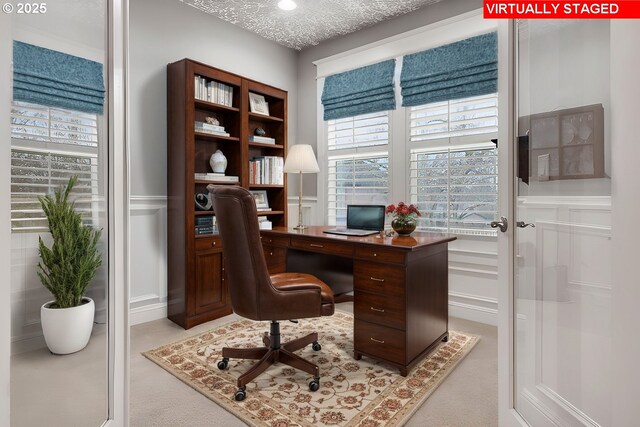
column 209, row 291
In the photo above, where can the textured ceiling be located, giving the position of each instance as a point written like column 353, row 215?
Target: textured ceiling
column 312, row 22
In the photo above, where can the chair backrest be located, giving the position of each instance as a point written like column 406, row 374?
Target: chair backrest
column 244, row 263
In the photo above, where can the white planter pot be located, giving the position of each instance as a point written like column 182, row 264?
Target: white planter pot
column 67, row 330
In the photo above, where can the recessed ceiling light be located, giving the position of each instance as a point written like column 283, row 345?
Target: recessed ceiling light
column 287, row 4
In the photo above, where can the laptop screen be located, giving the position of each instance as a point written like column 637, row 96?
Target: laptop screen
column 365, row 217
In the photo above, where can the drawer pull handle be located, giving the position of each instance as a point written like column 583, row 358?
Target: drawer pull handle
column 378, row 341
column 377, row 309
column 375, row 279
column 313, row 245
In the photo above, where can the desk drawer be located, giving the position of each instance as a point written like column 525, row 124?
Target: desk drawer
column 379, row 309
column 376, row 253
column 322, row 246
column 380, row 341
column 276, row 258
column 381, row 278
column 274, row 240
column 208, row 243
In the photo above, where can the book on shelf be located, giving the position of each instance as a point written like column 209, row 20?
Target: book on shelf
column 206, row 230
column 215, row 177
column 211, row 132
column 213, row 91
column 266, row 170
column 204, row 221
column 263, row 209
column 262, row 139
column 264, row 224
column 208, row 126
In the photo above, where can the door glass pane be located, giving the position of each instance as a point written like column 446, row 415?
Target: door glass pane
column 562, row 266
column 51, row 143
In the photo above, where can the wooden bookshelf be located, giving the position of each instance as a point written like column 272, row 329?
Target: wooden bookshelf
column 197, row 290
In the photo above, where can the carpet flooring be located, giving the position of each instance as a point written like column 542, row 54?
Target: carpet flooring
column 364, row 393
column 468, row 397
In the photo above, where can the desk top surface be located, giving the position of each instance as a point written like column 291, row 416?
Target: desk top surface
column 416, row 240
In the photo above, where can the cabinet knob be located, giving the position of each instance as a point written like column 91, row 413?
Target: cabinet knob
column 213, row 244
column 375, row 254
column 271, row 253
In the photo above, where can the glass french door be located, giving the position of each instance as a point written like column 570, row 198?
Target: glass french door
column 562, row 306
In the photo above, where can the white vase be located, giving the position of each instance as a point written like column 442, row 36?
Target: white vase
column 67, row 330
column 218, row 162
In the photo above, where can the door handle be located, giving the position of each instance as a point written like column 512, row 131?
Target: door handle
column 503, row 224
column 522, row 224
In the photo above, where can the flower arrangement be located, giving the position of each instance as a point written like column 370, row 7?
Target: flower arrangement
column 404, row 217
column 402, row 212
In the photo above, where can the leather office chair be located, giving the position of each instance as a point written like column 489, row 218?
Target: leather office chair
column 258, row 296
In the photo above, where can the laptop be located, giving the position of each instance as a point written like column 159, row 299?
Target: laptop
column 362, row 220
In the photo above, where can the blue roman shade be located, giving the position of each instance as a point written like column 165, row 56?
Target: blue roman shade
column 361, row 91
column 457, row 70
column 55, row 79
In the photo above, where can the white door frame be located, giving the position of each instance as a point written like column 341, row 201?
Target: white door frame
column 5, row 219
column 507, row 415
column 118, row 393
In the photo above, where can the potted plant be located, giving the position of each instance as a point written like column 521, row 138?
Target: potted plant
column 66, row 269
column 404, row 218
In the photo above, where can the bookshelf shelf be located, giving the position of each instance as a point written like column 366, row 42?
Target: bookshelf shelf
column 267, row 213
column 258, row 116
column 206, row 105
column 206, row 181
column 268, row 146
column 259, row 186
column 210, row 136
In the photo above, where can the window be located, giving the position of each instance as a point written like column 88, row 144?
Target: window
column 48, row 146
column 453, row 164
column 358, row 163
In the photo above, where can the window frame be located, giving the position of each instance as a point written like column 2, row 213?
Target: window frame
column 61, row 148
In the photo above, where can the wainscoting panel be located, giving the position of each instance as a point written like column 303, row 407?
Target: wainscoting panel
column 148, row 291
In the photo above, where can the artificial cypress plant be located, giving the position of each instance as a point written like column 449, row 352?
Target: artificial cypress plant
column 69, row 265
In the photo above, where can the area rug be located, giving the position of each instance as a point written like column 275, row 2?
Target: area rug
column 352, row 393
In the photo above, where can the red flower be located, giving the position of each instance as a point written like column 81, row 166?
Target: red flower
column 402, row 211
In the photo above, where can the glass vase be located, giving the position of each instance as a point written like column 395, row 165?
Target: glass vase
column 404, row 227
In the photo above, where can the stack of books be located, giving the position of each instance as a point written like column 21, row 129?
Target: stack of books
column 262, row 139
column 205, row 225
column 212, row 91
column 210, row 129
column 264, row 223
column 211, row 176
column 266, row 170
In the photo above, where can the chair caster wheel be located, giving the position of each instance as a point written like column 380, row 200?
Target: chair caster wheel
column 240, row 395
column 223, row 363
column 316, row 346
column 314, row 385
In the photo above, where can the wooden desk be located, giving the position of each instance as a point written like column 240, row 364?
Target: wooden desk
column 400, row 286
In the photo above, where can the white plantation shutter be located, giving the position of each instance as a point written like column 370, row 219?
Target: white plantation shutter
column 453, row 164
column 358, row 163
column 460, row 117
column 49, row 146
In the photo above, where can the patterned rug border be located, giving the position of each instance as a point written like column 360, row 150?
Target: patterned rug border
column 399, row 419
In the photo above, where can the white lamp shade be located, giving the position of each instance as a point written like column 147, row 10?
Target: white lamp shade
column 301, row 159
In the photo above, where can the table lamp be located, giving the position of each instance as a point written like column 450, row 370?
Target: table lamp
column 301, row 160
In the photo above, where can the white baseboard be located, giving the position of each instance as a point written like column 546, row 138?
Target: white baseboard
column 28, row 343
column 474, row 308
column 147, row 313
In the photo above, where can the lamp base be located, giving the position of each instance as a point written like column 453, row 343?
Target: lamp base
column 300, row 227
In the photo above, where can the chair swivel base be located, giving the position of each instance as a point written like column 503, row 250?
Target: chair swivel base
column 272, row 353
